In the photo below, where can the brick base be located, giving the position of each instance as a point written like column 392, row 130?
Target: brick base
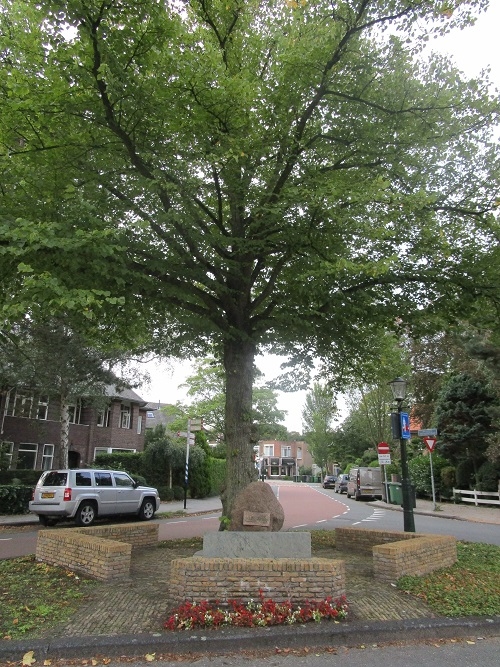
column 217, row 579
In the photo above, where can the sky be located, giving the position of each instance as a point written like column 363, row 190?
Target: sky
column 472, row 50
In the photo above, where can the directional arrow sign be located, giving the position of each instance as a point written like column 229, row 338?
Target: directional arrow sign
column 430, row 443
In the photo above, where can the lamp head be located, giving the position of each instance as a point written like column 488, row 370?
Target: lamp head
column 398, row 388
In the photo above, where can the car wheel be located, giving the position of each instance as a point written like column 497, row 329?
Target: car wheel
column 148, row 509
column 86, row 513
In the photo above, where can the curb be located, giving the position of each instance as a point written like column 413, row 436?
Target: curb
column 234, row 640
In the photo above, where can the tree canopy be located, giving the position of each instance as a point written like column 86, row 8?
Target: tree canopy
column 243, row 174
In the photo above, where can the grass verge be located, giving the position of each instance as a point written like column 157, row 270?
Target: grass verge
column 35, row 595
column 471, row 587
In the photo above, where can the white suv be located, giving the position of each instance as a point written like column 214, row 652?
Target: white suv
column 83, row 495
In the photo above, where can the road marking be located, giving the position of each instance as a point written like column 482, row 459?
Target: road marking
column 377, row 514
column 5, row 539
column 321, row 521
column 301, row 525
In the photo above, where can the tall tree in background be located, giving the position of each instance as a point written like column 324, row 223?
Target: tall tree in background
column 317, row 420
column 465, row 417
column 206, row 389
column 235, row 175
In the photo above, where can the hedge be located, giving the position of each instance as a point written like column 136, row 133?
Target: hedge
column 15, row 499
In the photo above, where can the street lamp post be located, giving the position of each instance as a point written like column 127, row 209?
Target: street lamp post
column 398, row 388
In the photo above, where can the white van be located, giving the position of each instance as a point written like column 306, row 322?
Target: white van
column 365, row 483
column 83, row 495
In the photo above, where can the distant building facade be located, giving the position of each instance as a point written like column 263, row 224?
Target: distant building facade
column 30, row 428
column 278, row 458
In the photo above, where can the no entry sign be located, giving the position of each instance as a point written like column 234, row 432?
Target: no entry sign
column 384, row 454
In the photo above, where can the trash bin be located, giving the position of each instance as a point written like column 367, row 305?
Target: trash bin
column 395, row 493
column 413, row 496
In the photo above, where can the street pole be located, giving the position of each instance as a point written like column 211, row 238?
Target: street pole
column 408, row 518
column 398, row 387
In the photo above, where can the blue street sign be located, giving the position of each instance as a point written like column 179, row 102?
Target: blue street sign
column 405, row 425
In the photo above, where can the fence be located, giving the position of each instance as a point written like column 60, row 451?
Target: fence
column 478, row 497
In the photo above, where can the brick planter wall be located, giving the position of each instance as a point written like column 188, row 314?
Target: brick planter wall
column 420, row 556
column 220, row 579
column 101, row 552
column 397, row 553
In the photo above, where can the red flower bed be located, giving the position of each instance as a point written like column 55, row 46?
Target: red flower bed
column 255, row 613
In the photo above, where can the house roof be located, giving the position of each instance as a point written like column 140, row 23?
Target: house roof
column 125, row 395
column 159, row 416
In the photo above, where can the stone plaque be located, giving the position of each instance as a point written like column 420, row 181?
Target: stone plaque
column 256, row 518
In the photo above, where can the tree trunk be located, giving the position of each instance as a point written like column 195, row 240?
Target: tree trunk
column 64, row 441
column 240, row 466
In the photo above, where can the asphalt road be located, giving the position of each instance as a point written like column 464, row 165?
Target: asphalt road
column 473, row 652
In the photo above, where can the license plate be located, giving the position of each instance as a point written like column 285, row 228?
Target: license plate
column 48, row 494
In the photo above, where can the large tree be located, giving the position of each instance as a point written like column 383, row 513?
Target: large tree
column 242, row 174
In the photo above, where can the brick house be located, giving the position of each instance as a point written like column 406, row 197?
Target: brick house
column 279, row 458
column 31, row 428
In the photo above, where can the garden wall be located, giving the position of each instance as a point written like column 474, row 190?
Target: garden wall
column 295, row 579
column 397, row 553
column 102, row 552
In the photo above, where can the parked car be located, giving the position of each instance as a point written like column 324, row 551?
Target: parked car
column 341, row 484
column 364, row 483
column 85, row 494
column 329, row 481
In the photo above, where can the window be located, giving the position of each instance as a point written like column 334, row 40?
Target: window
column 47, row 457
column 125, row 416
column 83, row 479
column 103, row 418
column 103, row 479
column 122, row 480
column 268, row 450
column 43, row 407
column 75, row 412
column 6, row 449
column 286, row 451
column 55, row 478
column 139, row 425
column 19, row 405
column 26, row 456
column 299, row 452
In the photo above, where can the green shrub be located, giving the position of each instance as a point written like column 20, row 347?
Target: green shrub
column 15, row 499
column 166, row 494
column 217, row 475
column 28, row 477
column 178, row 492
column 420, row 473
column 487, row 476
column 131, row 462
column 448, row 479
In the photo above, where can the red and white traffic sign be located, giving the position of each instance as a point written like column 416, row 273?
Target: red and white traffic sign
column 430, row 443
column 384, row 454
column 383, row 448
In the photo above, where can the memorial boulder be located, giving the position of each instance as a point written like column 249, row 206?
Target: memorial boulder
column 256, row 508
